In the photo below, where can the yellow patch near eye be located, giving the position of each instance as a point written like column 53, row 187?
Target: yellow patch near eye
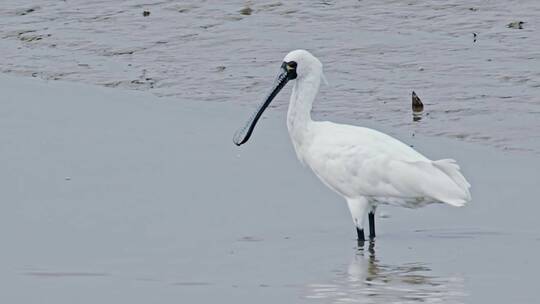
column 288, row 67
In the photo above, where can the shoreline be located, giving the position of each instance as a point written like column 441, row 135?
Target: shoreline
column 482, row 90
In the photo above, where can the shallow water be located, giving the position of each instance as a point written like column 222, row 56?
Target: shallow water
column 375, row 54
column 115, row 196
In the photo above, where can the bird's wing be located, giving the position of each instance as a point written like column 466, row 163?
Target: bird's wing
column 361, row 161
column 440, row 180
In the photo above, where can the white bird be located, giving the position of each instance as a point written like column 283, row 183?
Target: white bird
column 364, row 166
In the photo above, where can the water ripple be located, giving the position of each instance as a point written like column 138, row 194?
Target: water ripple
column 368, row 280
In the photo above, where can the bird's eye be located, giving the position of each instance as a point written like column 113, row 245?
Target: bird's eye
column 292, row 64
column 290, row 67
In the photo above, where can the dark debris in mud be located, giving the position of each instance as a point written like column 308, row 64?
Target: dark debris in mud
column 26, row 11
column 516, row 25
column 417, row 107
column 246, row 11
column 30, row 36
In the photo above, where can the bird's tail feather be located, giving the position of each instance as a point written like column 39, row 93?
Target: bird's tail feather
column 451, row 169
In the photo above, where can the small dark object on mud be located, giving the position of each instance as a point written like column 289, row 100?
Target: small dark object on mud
column 246, row 11
column 475, row 35
column 515, row 25
column 417, row 107
column 26, row 11
column 146, row 13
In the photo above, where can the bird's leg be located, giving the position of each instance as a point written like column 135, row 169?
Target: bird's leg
column 359, row 208
column 361, row 237
column 371, row 217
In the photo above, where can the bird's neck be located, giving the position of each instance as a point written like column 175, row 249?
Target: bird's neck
column 299, row 113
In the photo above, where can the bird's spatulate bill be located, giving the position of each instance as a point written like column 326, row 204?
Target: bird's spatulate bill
column 243, row 134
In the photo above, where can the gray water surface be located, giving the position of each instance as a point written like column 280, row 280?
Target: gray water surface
column 374, row 52
column 111, row 196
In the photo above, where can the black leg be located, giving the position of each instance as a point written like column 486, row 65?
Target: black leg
column 372, row 225
column 360, row 233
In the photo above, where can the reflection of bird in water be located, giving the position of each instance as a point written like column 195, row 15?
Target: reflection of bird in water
column 367, row 280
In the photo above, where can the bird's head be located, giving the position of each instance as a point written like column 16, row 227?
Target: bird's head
column 296, row 66
column 301, row 63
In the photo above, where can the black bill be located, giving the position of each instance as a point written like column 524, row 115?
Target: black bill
column 243, row 134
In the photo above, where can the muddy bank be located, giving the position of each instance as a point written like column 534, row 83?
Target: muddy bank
column 477, row 74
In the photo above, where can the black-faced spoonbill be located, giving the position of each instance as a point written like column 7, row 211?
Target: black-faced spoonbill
column 364, row 166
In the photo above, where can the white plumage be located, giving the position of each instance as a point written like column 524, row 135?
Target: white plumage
column 364, row 166
column 357, row 161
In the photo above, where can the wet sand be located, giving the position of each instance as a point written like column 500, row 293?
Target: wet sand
column 120, row 196
column 375, row 54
